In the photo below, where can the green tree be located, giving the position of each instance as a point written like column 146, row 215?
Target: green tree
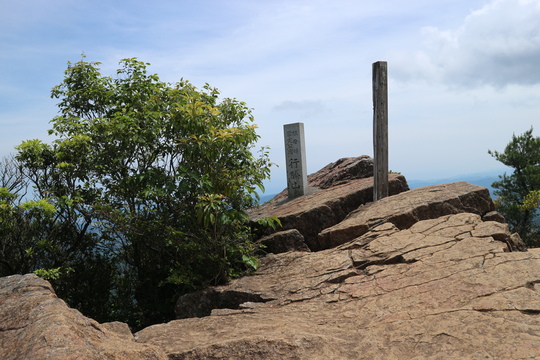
column 516, row 192
column 531, row 201
column 22, row 232
column 23, row 224
column 11, row 176
column 152, row 177
column 37, row 236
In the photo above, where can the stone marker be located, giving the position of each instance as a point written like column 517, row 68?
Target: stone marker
column 295, row 157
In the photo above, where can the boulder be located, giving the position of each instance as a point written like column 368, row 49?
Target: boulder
column 494, row 216
column 283, row 241
column 323, row 208
column 336, row 173
column 405, row 209
column 442, row 288
column 339, row 172
column 36, row 324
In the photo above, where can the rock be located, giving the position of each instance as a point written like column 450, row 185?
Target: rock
column 336, row 173
column 515, row 243
column 405, row 209
column 448, row 287
column 36, row 324
column 310, row 214
column 283, row 241
column 333, row 192
column 119, row 328
column 339, row 172
column 494, row 216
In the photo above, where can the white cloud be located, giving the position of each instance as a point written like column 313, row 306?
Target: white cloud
column 497, row 45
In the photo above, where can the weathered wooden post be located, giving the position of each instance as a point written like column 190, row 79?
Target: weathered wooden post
column 380, row 130
column 295, row 156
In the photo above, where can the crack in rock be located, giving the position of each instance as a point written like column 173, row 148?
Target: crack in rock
column 393, row 260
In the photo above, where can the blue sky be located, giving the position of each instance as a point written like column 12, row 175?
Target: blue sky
column 463, row 74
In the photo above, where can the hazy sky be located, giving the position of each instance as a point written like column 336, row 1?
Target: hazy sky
column 463, row 74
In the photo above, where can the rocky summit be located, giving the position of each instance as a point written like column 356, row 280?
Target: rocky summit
column 430, row 273
column 336, row 190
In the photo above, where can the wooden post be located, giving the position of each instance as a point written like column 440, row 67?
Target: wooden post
column 380, row 130
column 295, row 156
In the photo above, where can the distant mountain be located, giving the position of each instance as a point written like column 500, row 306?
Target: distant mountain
column 265, row 198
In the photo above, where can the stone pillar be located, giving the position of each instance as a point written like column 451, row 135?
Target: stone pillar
column 295, row 156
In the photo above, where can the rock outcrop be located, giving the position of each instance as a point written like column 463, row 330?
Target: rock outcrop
column 335, row 191
column 443, row 288
column 430, row 273
column 405, row 209
column 36, row 324
column 432, row 281
column 339, row 172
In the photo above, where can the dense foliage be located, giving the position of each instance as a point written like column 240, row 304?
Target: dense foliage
column 140, row 197
column 518, row 194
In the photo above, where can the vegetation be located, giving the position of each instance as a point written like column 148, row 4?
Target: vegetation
column 519, row 193
column 141, row 197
